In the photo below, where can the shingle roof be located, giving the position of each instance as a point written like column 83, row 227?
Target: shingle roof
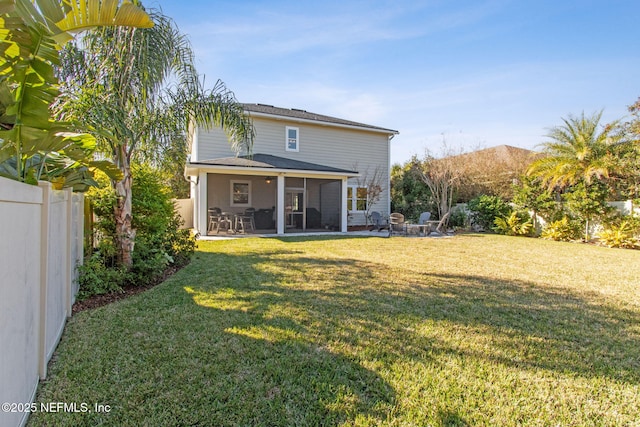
column 271, row 162
column 501, row 153
column 306, row 115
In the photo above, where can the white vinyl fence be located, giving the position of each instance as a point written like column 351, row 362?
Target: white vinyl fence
column 626, row 207
column 41, row 243
column 185, row 210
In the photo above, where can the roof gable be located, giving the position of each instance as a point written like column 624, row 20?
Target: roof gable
column 306, row 116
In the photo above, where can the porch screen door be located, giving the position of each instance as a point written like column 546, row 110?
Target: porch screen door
column 294, row 208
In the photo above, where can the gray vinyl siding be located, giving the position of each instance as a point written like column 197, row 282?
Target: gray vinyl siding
column 344, row 148
column 325, row 145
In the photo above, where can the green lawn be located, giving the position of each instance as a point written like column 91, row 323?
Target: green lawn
column 465, row 331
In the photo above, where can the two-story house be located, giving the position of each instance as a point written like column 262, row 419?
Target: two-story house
column 307, row 172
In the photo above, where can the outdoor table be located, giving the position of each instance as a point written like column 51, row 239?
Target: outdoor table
column 431, row 225
column 227, row 220
column 422, row 229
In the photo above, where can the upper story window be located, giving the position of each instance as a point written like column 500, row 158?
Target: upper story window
column 292, row 140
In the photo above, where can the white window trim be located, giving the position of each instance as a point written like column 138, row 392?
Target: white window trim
column 354, row 197
column 231, row 202
column 286, row 139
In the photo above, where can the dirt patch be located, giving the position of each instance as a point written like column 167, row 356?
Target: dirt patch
column 360, row 227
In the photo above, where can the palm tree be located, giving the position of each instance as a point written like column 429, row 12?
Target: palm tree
column 577, row 151
column 32, row 33
column 139, row 90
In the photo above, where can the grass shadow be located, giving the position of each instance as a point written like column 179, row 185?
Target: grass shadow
column 534, row 327
column 268, row 364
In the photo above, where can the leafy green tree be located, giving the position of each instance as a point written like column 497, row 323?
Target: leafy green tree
column 628, row 174
column 409, row 194
column 530, row 194
column 138, row 90
column 33, row 145
column 588, row 202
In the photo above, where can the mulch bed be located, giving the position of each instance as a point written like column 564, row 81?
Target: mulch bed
column 359, row 227
column 100, row 300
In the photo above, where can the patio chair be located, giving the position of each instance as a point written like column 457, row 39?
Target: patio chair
column 396, row 224
column 378, row 222
column 214, row 220
column 245, row 221
column 424, row 217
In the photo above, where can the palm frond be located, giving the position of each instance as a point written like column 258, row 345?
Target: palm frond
column 576, row 151
column 144, row 85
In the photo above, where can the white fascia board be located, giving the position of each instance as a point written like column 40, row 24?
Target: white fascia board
column 193, row 169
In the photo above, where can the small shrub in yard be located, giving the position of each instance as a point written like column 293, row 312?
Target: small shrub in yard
column 458, row 218
column 96, row 278
column 564, row 230
column 516, row 224
column 622, row 235
column 485, row 209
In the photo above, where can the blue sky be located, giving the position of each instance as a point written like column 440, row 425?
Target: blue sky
column 471, row 73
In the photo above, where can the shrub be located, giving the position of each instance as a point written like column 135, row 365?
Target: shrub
column 565, row 230
column 458, row 218
column 622, row 235
column 96, row 278
column 516, row 224
column 485, row 209
column 588, row 203
column 159, row 244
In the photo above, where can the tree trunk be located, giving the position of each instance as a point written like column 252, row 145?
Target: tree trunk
column 586, row 231
column 125, row 234
column 443, row 206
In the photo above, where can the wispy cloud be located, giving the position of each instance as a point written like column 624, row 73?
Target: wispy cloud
column 477, row 71
column 279, row 32
column 348, row 103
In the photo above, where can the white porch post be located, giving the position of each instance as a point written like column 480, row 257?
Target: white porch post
column 195, row 197
column 343, row 223
column 280, row 205
column 201, row 205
